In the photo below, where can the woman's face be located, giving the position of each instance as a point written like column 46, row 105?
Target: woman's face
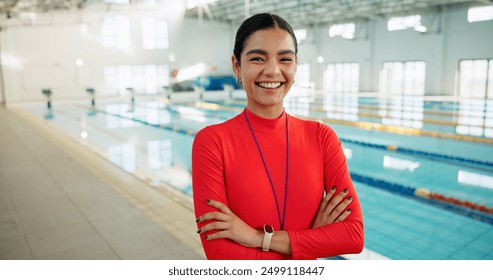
column 267, row 69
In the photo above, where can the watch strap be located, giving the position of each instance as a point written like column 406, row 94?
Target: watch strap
column 268, row 233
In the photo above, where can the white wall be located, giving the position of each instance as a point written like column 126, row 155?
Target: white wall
column 43, row 54
column 451, row 39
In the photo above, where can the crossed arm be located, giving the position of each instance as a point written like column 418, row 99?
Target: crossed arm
column 332, row 209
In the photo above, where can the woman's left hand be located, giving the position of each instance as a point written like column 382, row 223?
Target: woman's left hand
column 229, row 225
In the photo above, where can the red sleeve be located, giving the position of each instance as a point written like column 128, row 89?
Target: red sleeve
column 345, row 237
column 208, row 183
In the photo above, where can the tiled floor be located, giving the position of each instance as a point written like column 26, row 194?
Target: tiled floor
column 58, row 201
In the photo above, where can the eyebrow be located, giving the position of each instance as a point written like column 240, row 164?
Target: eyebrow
column 262, row 52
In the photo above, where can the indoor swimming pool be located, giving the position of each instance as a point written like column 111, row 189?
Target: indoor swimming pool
column 391, row 166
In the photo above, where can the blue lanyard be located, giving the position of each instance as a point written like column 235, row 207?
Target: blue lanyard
column 281, row 221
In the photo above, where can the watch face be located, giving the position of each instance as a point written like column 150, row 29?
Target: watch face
column 268, row 228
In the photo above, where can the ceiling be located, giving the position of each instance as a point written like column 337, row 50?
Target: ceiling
column 297, row 12
column 309, row 12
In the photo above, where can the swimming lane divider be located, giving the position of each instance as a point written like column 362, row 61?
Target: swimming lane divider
column 464, row 208
column 161, row 126
column 428, row 155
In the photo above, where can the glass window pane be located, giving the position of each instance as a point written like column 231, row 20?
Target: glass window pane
column 346, row 30
column 155, row 33
column 341, row 91
column 116, row 32
column 111, row 80
column 148, row 33
column 300, row 35
column 480, row 14
column 138, row 79
column 124, row 79
column 402, row 85
column 163, row 76
column 474, row 77
column 151, row 85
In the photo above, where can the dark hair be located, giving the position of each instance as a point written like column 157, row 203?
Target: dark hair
column 260, row 22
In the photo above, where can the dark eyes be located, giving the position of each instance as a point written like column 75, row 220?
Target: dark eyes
column 256, row 59
column 259, row 59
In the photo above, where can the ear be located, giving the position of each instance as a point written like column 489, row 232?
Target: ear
column 236, row 66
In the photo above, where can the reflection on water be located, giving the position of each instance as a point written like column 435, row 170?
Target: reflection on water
column 471, row 117
column 400, row 164
column 123, row 155
column 475, row 117
column 159, row 154
column 475, row 179
column 406, row 111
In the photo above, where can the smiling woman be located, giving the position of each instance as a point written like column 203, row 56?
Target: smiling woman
column 267, row 74
column 267, row 180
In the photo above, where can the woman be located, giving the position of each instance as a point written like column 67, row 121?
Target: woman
column 259, row 179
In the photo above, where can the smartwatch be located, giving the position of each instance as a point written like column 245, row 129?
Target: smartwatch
column 268, row 232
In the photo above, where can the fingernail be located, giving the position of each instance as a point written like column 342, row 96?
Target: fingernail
column 205, row 237
column 349, row 210
column 198, row 231
column 334, row 188
column 345, row 190
column 197, row 220
column 350, row 198
column 207, row 201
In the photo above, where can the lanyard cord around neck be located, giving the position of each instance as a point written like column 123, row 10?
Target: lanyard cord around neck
column 281, row 221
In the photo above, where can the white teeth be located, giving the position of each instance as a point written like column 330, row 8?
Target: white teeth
column 270, row 85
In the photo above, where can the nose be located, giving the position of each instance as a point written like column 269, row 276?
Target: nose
column 272, row 68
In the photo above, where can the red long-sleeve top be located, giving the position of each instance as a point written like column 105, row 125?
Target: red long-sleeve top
column 227, row 167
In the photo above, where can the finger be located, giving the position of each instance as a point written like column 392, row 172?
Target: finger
column 217, row 235
column 340, row 208
column 219, row 206
column 218, row 216
column 335, row 201
column 326, row 199
column 214, row 226
column 343, row 216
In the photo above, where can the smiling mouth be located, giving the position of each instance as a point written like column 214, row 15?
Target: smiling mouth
column 269, row 85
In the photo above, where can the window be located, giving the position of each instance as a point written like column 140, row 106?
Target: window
column 196, row 3
column 303, row 75
column 341, row 85
column 111, row 80
column 120, row 116
column 344, row 30
column 117, row 1
column 155, row 33
column 475, row 116
column 144, row 79
column 301, row 95
column 116, row 32
column 401, row 23
column 480, row 14
column 300, row 35
column 402, row 87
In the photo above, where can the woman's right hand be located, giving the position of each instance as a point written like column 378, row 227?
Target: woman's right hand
column 333, row 208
